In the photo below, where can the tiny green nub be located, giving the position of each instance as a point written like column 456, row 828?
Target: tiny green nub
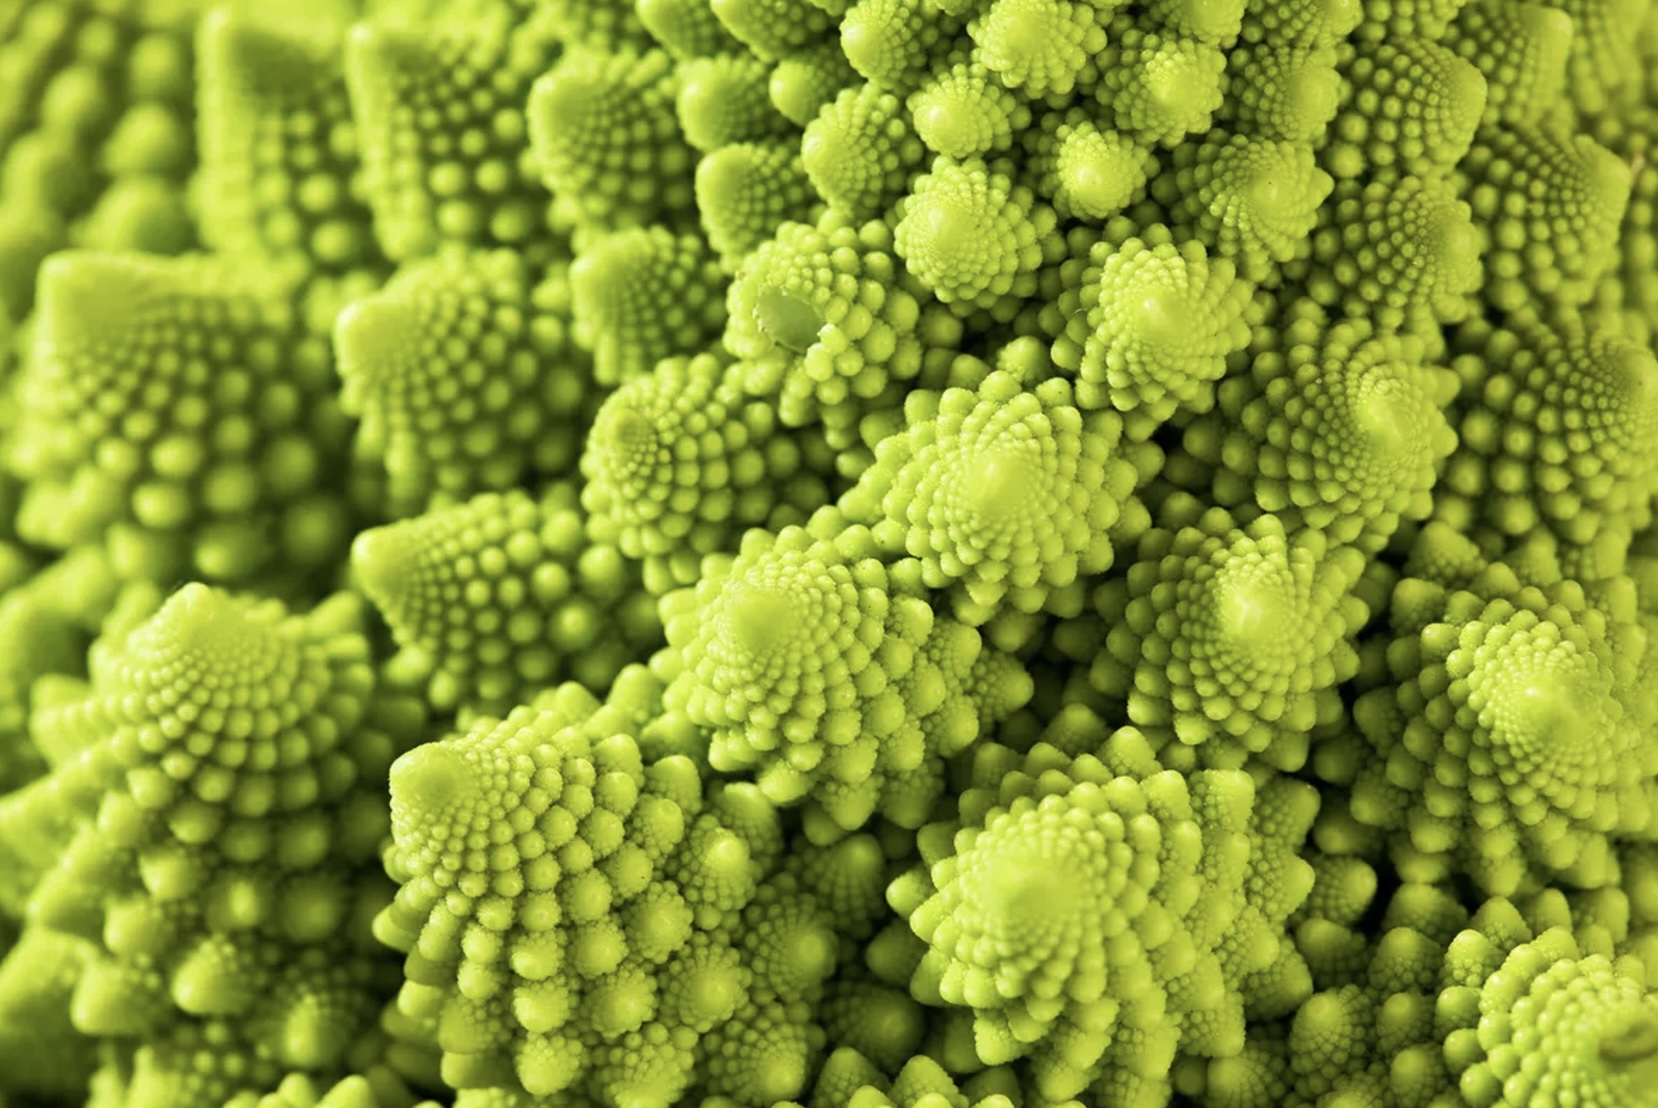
column 430, row 779
column 1252, row 612
column 372, row 340
column 234, row 47
column 1376, row 416
column 779, row 1078
column 1099, row 174
column 865, row 45
column 210, row 627
column 756, row 620
column 1314, row 92
column 82, row 293
column 811, row 953
column 209, row 984
column 726, row 855
column 1634, row 371
column 712, row 991
column 623, row 436
column 999, row 484
column 944, row 127
column 383, row 566
column 1025, row 895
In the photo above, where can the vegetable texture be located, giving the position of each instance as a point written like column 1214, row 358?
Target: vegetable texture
column 829, row 554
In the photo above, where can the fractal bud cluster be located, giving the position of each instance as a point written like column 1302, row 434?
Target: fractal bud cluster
column 829, row 554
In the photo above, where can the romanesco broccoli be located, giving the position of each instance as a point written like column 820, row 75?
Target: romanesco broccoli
column 829, row 554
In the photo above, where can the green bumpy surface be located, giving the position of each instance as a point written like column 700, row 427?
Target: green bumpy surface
column 829, row 554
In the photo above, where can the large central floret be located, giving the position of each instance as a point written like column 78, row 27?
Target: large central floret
column 207, row 842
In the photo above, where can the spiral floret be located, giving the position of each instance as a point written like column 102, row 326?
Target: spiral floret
column 808, row 78
column 587, row 947
column 1535, row 1001
column 1281, row 92
column 1158, row 89
column 777, row 649
column 680, row 463
column 1216, row 22
column 971, row 235
column 723, row 100
column 686, row 28
column 1252, row 200
column 1410, row 106
column 834, row 300
column 1405, row 253
column 1506, row 743
column 440, row 111
column 1302, row 22
column 1348, row 439
column 965, row 112
column 1040, row 47
column 893, row 43
column 775, row 29
column 272, row 104
column 1559, row 432
column 1004, row 493
column 1234, row 640
column 1087, row 173
column 211, row 826
column 175, row 410
column 502, row 595
column 640, row 295
column 1557, row 1025
column 1153, row 328
column 607, row 143
column 202, row 645
column 746, row 191
column 1063, row 911
column 1549, row 208
column 860, row 152
column 1108, row 526
column 447, row 367
column 1522, row 49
